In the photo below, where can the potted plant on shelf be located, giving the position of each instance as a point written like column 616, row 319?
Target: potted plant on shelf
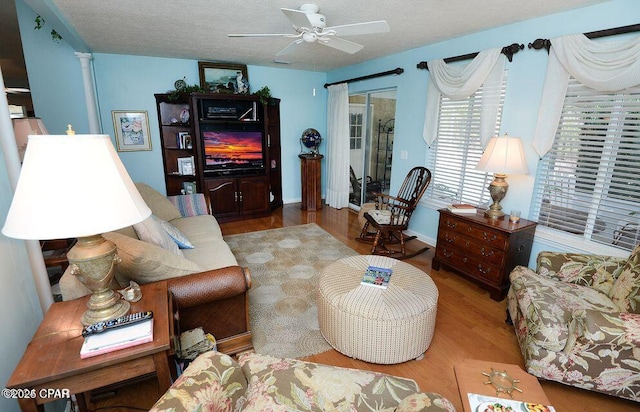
column 263, row 94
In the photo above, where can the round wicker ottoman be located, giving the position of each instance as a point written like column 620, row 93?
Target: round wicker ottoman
column 377, row 325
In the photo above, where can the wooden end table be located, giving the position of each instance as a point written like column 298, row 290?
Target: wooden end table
column 471, row 380
column 51, row 367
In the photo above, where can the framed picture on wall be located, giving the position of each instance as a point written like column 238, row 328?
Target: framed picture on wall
column 224, row 78
column 131, row 130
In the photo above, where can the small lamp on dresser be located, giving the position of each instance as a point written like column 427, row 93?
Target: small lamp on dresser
column 503, row 155
column 75, row 186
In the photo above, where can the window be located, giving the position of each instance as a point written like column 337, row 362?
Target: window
column 588, row 183
column 355, row 130
column 457, row 150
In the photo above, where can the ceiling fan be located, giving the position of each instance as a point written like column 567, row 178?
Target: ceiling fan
column 311, row 27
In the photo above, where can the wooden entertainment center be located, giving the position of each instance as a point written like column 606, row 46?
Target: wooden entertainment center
column 226, row 146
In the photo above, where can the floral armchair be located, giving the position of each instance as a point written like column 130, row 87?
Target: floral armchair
column 577, row 320
column 216, row 382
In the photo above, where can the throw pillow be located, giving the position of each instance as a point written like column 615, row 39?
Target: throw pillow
column 158, row 203
column 177, row 236
column 625, row 292
column 144, row 262
column 190, row 205
column 150, row 230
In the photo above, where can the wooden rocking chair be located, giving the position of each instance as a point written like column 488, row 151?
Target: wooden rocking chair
column 385, row 225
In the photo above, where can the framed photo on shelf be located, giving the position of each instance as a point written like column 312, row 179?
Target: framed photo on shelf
column 224, row 78
column 185, row 166
column 189, row 187
column 131, row 130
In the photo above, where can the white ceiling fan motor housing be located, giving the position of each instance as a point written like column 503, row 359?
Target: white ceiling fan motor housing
column 316, row 19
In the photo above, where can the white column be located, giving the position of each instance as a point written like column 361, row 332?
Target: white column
column 12, row 160
column 89, row 92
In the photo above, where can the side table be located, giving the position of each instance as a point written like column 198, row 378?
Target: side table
column 471, row 380
column 52, row 359
column 310, row 170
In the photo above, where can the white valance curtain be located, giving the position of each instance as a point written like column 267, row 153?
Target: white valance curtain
column 604, row 66
column 338, row 146
column 460, row 82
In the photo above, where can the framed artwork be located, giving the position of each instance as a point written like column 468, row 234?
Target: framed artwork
column 185, row 166
column 132, row 130
column 224, row 78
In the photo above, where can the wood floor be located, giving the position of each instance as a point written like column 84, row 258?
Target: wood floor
column 469, row 325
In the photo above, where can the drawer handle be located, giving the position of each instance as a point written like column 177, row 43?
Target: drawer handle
column 520, row 248
column 452, row 225
column 449, row 239
column 485, row 253
column 465, row 259
column 486, row 237
column 483, row 271
column 447, row 254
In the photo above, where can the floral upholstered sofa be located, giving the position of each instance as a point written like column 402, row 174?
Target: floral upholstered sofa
column 216, row 382
column 577, row 319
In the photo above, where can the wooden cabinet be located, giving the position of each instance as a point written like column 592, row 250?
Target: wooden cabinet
column 310, row 172
column 233, row 197
column 240, row 183
column 483, row 249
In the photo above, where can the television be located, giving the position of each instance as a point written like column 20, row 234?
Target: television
column 228, row 152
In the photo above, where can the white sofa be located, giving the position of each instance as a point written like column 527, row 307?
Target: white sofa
column 146, row 262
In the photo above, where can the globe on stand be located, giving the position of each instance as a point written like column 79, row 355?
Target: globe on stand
column 311, row 140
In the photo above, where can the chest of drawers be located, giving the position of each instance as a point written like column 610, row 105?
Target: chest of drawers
column 483, row 249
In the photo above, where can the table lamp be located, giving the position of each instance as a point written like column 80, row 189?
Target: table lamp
column 503, row 155
column 75, row 186
column 23, row 127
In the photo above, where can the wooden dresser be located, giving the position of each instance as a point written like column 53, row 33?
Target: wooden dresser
column 483, row 249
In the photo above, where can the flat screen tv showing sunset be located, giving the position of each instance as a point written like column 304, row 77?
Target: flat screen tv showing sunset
column 232, row 150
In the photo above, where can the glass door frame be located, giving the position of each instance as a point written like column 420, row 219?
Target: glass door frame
column 367, row 137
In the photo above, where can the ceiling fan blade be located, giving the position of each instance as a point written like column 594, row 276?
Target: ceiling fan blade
column 370, row 27
column 291, row 47
column 298, row 18
column 342, row 45
column 262, row 35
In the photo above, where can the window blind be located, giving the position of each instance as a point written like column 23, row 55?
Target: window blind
column 589, row 182
column 457, row 150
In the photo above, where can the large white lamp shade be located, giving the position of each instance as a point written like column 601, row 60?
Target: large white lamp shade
column 75, row 186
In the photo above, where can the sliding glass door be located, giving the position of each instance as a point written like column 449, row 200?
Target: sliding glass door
column 371, row 124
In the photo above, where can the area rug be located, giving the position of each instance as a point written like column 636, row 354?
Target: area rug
column 285, row 266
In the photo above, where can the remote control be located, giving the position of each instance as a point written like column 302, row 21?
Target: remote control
column 125, row 320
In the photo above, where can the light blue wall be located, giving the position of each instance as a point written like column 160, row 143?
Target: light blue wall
column 55, row 76
column 525, row 79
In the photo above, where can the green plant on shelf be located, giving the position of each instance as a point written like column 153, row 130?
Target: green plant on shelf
column 263, row 94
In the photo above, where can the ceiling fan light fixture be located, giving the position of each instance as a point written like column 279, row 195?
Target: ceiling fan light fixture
column 309, row 37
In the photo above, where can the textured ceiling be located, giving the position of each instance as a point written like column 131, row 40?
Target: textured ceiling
column 197, row 29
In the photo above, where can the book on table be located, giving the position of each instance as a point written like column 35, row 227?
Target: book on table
column 377, row 277
column 118, row 338
column 462, row 208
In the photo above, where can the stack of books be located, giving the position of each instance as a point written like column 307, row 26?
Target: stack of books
column 118, row 338
column 464, row 208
